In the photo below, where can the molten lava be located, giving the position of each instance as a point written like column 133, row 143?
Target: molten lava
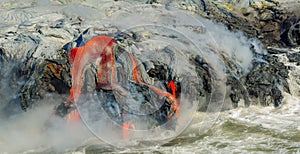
column 171, row 97
column 73, row 116
column 99, row 49
column 172, row 85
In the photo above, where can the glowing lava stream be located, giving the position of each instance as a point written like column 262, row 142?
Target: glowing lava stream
column 99, row 48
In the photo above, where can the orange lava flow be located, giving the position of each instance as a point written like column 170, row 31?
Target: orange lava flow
column 99, row 49
column 126, row 125
column 171, row 97
column 73, row 116
column 171, row 84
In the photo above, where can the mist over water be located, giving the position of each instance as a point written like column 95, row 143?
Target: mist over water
column 37, row 129
column 241, row 130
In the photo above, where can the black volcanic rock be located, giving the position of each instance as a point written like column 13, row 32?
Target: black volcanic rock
column 43, row 68
column 294, row 57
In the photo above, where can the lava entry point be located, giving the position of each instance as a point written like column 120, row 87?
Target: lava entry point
column 142, row 84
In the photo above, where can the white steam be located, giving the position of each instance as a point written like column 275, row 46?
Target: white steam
column 36, row 129
column 203, row 33
column 30, row 131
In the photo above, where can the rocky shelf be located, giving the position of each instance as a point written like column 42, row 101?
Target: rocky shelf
column 34, row 48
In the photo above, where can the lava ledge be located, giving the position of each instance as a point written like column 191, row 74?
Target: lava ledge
column 39, row 53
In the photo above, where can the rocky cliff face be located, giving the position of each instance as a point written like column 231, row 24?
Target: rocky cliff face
column 34, row 48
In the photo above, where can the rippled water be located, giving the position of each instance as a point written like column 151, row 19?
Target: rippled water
column 242, row 130
column 254, row 129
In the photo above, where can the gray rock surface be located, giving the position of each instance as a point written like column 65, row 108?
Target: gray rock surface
column 37, row 45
